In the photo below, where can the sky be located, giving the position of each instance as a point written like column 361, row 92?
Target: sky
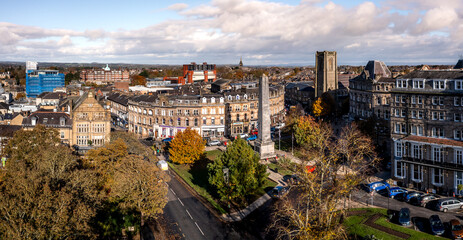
column 262, row 32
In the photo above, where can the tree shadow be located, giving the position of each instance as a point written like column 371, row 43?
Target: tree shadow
column 200, row 175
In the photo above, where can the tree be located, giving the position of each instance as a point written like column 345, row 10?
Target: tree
column 134, row 146
column 340, row 165
column 138, row 80
column 46, row 194
column 245, row 174
column 186, row 147
column 20, row 95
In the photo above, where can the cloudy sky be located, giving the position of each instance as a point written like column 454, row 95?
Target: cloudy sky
column 263, row 32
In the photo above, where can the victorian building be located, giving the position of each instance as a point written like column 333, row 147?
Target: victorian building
column 427, row 130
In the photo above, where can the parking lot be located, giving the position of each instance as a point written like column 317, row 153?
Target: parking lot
column 419, row 215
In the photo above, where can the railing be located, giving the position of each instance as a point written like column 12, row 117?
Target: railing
column 442, row 164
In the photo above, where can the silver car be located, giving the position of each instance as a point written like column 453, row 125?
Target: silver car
column 213, row 143
column 446, row 204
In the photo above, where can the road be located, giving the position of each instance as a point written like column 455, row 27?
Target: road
column 189, row 218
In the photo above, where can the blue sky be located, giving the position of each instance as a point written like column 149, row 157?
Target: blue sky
column 220, row 31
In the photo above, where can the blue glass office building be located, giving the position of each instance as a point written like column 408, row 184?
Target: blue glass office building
column 39, row 81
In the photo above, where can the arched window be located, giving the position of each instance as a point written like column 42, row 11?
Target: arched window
column 221, row 99
column 237, row 117
column 229, row 97
column 213, row 100
column 204, row 100
column 237, row 97
column 245, row 96
column 196, row 122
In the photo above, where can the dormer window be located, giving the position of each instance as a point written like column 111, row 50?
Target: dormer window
column 245, row 96
column 213, row 100
column 204, row 100
column 401, row 83
column 221, row 100
column 458, row 84
column 237, row 97
column 62, row 121
column 45, row 120
column 33, row 121
column 418, row 84
column 229, row 97
column 439, row 84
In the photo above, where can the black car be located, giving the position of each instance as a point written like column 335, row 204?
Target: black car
column 404, row 217
column 437, row 227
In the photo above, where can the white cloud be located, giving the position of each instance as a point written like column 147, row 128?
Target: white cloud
column 269, row 32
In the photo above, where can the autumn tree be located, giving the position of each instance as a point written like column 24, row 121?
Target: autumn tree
column 46, row 194
column 186, row 147
column 138, row 80
column 244, row 174
column 340, row 165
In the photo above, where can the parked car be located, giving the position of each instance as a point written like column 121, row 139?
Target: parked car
column 377, row 186
column 423, row 200
column 437, row 227
column 243, row 135
column 213, row 143
column 413, row 194
column 404, row 217
column 251, row 138
column 446, row 204
column 279, row 192
column 149, row 139
column 456, row 230
column 401, row 196
column 392, row 192
column 167, row 140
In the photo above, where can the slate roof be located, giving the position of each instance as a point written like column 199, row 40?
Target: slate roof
column 4, row 105
column 119, row 98
column 52, row 119
column 438, row 141
column 435, row 74
column 377, row 68
column 8, row 130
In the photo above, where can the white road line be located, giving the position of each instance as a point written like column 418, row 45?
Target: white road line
column 189, row 214
column 199, row 229
column 173, row 191
column 180, row 201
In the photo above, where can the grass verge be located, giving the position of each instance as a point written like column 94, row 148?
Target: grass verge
column 355, row 226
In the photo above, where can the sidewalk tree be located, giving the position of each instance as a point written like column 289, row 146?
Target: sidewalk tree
column 186, row 147
column 340, row 165
column 245, row 174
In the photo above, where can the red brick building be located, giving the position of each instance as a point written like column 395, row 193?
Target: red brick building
column 104, row 75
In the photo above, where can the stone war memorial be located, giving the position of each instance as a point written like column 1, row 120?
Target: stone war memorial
column 264, row 143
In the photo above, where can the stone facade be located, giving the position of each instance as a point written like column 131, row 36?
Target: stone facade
column 212, row 115
column 58, row 120
column 264, row 142
column 91, row 123
column 427, row 130
column 326, row 72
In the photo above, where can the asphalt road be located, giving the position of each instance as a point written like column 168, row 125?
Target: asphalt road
column 189, row 219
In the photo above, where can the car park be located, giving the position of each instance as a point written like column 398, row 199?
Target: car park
column 456, row 229
column 437, row 227
column 423, row 200
column 213, row 143
column 392, row 192
column 446, row 204
column 404, row 217
column 412, row 194
column 377, row 186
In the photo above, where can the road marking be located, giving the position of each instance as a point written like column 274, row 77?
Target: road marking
column 180, row 201
column 173, row 191
column 199, row 228
column 189, row 214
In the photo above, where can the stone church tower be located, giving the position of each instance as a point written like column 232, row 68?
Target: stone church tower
column 326, row 72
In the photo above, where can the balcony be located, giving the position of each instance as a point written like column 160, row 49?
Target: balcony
column 431, row 163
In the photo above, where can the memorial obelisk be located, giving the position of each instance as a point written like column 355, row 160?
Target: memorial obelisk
column 264, row 142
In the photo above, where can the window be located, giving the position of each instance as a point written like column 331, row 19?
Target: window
column 397, row 99
column 163, row 112
column 62, row 121
column 437, row 154
column 398, row 149
column 457, row 117
column 441, row 116
column 434, row 115
column 179, row 122
column 397, row 112
column 237, row 97
column 237, row 117
column 418, row 84
column 163, row 121
column 195, row 112
column 417, row 151
column 459, row 156
column 439, row 84
column 420, row 130
column 402, row 112
column 212, row 100
column 441, row 101
column 414, row 130
column 150, row 112
column 457, row 134
column 458, row 84
column 179, row 112
column 456, row 101
column 196, row 122
column 401, row 83
column 414, row 114
column 399, row 169
column 204, row 100
column 378, row 101
column 204, row 120
column 245, row 107
column 221, row 120
column 437, row 132
column 400, row 128
column 417, row 173
column 420, row 100
column 187, row 112
column 221, row 100
column 420, row 114
column 403, row 99
column 434, row 100
column 213, row 121
column 413, row 99
column 171, row 113
column 62, row 134
column 438, row 176
column 187, row 122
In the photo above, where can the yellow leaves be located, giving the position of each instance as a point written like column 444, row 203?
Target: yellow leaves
column 186, row 147
column 317, row 107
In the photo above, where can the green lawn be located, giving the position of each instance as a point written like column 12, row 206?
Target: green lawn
column 197, row 177
column 355, row 226
column 281, row 170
